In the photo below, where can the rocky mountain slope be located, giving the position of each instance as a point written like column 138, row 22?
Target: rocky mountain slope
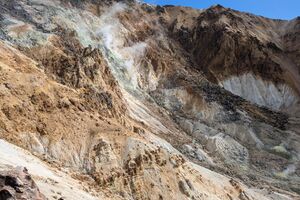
column 125, row 100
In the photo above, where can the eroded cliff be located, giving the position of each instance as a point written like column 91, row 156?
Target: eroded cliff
column 124, row 100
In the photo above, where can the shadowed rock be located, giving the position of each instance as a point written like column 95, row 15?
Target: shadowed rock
column 17, row 184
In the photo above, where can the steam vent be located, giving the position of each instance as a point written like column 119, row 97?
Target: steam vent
column 123, row 100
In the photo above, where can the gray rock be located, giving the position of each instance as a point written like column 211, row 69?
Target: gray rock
column 17, row 184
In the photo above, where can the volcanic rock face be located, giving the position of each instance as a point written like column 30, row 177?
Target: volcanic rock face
column 124, row 100
column 18, row 184
column 246, row 54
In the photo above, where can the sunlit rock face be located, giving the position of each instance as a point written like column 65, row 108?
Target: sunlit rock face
column 126, row 100
column 253, row 57
column 263, row 93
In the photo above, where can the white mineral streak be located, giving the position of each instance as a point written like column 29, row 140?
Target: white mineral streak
column 261, row 92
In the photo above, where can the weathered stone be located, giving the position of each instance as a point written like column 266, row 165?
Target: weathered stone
column 18, row 184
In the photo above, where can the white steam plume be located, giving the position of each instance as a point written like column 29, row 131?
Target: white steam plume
column 113, row 34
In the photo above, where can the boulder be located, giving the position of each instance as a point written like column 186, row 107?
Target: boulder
column 18, row 184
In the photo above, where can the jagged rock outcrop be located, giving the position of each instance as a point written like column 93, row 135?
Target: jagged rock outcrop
column 139, row 109
column 18, row 184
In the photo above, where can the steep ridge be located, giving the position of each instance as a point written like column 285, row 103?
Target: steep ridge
column 133, row 108
column 245, row 54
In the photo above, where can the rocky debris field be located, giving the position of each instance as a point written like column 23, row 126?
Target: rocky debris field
column 119, row 99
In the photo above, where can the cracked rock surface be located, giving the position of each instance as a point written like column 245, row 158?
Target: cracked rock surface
column 18, row 184
column 119, row 99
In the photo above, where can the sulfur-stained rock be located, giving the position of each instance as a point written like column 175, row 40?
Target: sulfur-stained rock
column 137, row 101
